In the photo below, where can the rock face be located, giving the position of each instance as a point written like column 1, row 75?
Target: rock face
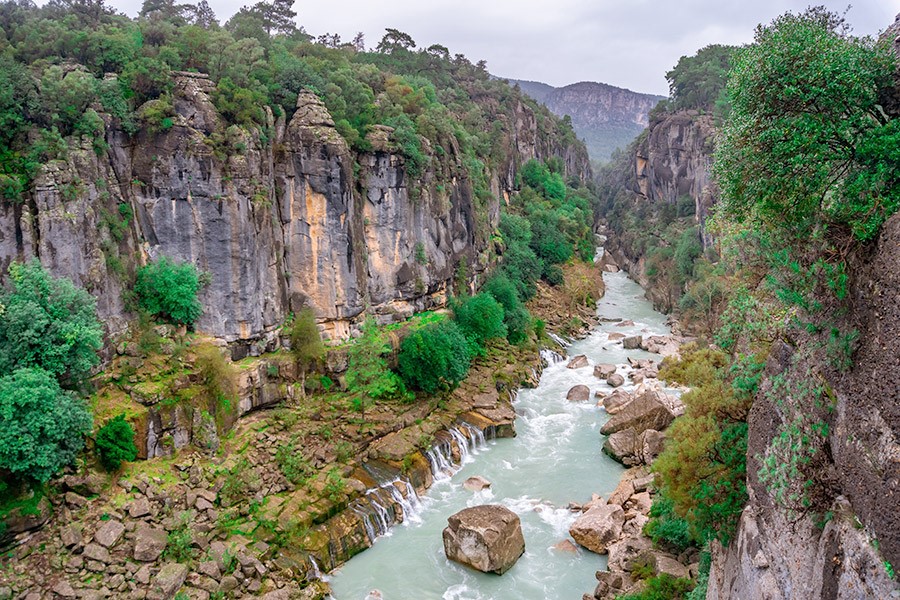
column 775, row 554
column 599, row 527
column 277, row 223
column 606, row 117
column 487, row 538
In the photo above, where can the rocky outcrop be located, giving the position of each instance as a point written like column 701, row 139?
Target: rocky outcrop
column 598, row 527
column 487, row 538
column 650, row 410
column 277, row 222
column 605, row 116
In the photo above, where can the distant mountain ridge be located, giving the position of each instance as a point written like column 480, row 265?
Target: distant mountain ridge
column 605, row 116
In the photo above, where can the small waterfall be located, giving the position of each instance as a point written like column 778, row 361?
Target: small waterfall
column 476, row 436
column 550, row 357
column 439, row 462
column 564, row 343
column 462, row 442
column 409, row 504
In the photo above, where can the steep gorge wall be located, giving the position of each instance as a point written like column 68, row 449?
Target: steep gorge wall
column 277, row 222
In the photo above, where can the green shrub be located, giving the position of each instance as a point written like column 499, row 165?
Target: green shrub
column 114, row 443
column 515, row 316
column 665, row 527
column 663, row 587
column 368, row 373
column 480, row 318
column 293, row 464
column 47, row 323
column 41, row 425
column 435, row 357
column 306, row 343
column 168, row 290
column 217, row 375
column 553, row 275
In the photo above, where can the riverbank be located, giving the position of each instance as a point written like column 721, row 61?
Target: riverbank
column 287, row 492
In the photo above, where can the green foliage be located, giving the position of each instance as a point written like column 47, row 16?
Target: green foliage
column 168, row 290
column 217, row 376
column 666, row 527
column 434, row 357
column 703, row 466
column 699, row 81
column 306, row 343
column 662, row 587
column 158, row 115
column 335, row 485
column 47, row 323
column 480, row 318
column 41, row 425
column 809, row 146
column 293, row 464
column 114, row 443
column 180, row 540
column 368, row 375
column 515, row 316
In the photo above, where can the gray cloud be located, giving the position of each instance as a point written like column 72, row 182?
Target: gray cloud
column 628, row 43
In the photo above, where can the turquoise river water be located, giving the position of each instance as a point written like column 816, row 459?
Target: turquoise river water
column 555, row 459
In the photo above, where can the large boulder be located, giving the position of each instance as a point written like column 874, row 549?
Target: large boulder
column 632, row 448
column 487, row 538
column 579, row 393
column 651, row 410
column 615, row 402
column 604, row 371
column 578, row 362
column 150, row 543
column 623, row 552
column 599, row 527
column 633, row 342
column 615, row 380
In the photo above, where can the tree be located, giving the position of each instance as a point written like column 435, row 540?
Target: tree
column 435, row 357
column 359, row 42
column 809, row 146
column 481, row 319
column 47, row 323
column 306, row 343
column 395, row 40
column 168, row 290
column 41, row 425
column 203, row 15
column 698, row 81
column 368, row 375
column 114, row 443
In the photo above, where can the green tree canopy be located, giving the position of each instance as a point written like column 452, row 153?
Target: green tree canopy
column 41, row 425
column 807, row 144
column 698, row 81
column 169, row 290
column 115, row 443
column 434, row 357
column 47, row 323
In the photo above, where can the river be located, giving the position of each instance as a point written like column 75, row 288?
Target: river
column 555, row 459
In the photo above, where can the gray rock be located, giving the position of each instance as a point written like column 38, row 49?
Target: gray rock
column 615, row 380
column 64, row 589
column 579, row 393
column 70, row 535
column 476, row 483
column 620, row 446
column 97, row 552
column 633, row 342
column 648, row 411
column 487, row 538
column 578, row 362
column 623, row 552
column 170, row 579
column 640, row 502
column 603, row 371
column 109, row 534
column 598, row 527
column 616, row 401
column 149, row 543
column 139, row 508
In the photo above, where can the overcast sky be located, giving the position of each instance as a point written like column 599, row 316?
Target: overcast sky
column 627, row 43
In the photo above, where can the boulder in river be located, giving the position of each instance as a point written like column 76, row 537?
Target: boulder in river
column 599, row 527
column 632, row 448
column 615, row 402
column 604, row 371
column 578, row 362
column 651, row 410
column 633, row 342
column 614, row 337
column 476, row 483
column 615, row 380
column 627, row 323
column 487, row 538
column 579, row 393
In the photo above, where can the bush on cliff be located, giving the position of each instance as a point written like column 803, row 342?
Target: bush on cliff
column 168, row 290
column 42, row 426
column 434, row 358
column 47, row 323
column 114, row 443
column 515, row 316
column 481, row 319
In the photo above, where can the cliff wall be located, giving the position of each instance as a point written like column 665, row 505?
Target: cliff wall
column 276, row 220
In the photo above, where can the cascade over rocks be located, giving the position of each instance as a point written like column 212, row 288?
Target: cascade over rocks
column 487, row 538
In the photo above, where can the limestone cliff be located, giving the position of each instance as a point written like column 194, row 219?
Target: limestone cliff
column 605, row 116
column 277, row 221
